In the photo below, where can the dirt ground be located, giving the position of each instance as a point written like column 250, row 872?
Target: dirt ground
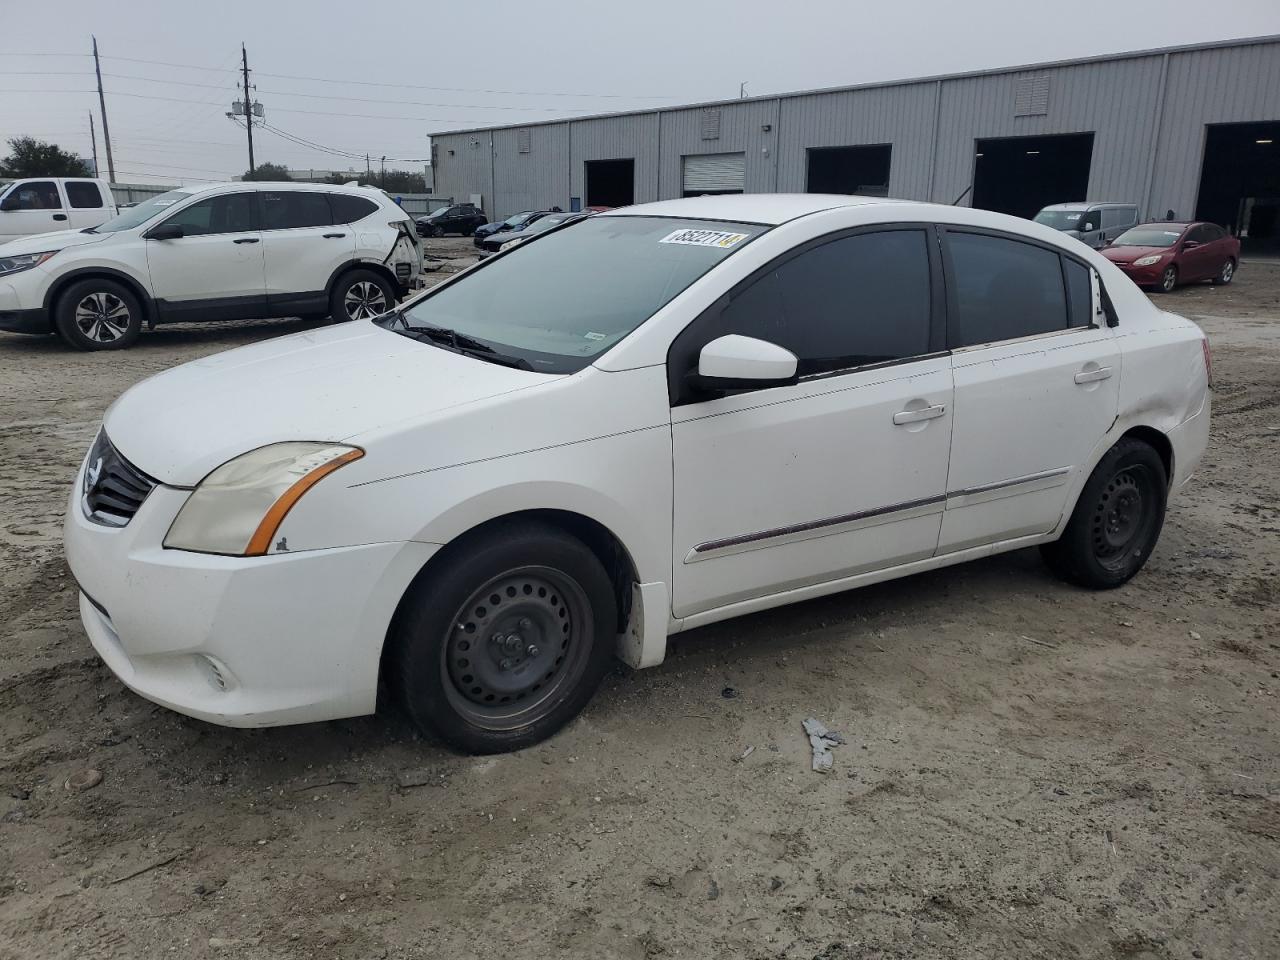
column 1032, row 770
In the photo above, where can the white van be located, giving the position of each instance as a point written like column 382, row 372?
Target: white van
column 1093, row 224
column 46, row 204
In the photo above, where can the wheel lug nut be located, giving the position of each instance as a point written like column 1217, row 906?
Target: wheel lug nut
column 506, row 663
column 531, row 650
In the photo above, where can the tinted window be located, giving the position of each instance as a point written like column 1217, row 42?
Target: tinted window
column 228, row 213
column 288, row 209
column 1213, row 232
column 858, row 300
column 348, row 209
column 1004, row 289
column 38, row 195
column 1118, row 216
column 1079, row 292
column 83, row 196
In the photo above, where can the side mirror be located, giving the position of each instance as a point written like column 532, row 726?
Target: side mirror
column 166, row 231
column 735, row 362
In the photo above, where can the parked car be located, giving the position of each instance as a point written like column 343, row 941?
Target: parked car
column 1094, row 224
column 651, row 420
column 513, row 223
column 1164, row 255
column 216, row 252
column 52, row 204
column 463, row 218
column 549, row 221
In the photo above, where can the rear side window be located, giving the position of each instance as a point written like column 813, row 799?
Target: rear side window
column 1002, row 289
column 289, row 209
column 348, row 209
column 854, row 301
column 1079, row 292
column 83, row 196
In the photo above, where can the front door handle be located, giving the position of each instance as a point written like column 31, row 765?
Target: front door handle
column 1091, row 376
column 915, row 416
column 245, row 240
column 59, row 216
column 334, row 236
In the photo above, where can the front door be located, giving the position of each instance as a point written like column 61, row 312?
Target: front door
column 214, row 270
column 32, row 206
column 841, row 473
column 1037, row 379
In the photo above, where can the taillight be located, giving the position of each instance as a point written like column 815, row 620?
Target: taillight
column 1208, row 361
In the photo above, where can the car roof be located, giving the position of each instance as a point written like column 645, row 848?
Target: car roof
column 765, row 208
column 1089, row 204
column 1180, row 224
column 278, row 186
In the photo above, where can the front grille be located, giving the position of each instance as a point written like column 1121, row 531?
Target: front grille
column 113, row 487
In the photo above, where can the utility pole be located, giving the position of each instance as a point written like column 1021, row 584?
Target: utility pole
column 93, row 140
column 248, row 105
column 368, row 171
column 742, row 90
column 102, row 102
column 384, row 171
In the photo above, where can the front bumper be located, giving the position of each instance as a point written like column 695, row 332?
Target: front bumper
column 26, row 321
column 237, row 641
column 1148, row 276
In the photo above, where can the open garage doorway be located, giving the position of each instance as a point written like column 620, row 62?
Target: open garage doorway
column 1022, row 175
column 1240, row 182
column 862, row 170
column 611, row 183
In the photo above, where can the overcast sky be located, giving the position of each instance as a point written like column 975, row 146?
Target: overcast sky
column 378, row 77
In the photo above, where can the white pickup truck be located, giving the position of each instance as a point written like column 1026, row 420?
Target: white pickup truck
column 45, row 204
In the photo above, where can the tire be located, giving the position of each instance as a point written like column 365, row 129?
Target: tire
column 360, row 295
column 1168, row 279
column 490, row 677
column 1226, row 274
column 437, row 231
column 98, row 314
column 1116, row 521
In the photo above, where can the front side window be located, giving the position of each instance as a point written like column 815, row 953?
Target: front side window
column 859, row 300
column 83, row 196
column 226, row 213
column 1117, row 216
column 290, row 209
column 557, row 302
column 36, row 195
column 1002, row 289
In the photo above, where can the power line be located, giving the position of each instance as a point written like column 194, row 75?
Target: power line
column 407, row 103
column 511, row 93
column 335, row 151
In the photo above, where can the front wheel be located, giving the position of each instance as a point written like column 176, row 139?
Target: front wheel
column 360, row 295
column 504, row 643
column 1168, row 279
column 1117, row 520
column 1226, row 274
column 98, row 314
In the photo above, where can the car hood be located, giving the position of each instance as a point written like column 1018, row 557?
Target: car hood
column 1129, row 254
column 57, row 240
column 329, row 384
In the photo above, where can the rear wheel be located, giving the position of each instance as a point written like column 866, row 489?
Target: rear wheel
column 1168, row 279
column 506, row 641
column 360, row 295
column 1226, row 274
column 98, row 314
column 1116, row 521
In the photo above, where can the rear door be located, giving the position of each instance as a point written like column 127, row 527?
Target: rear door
column 86, row 206
column 1037, row 377
column 303, row 248
column 30, row 207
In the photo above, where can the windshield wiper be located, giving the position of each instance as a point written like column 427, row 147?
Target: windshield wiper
column 461, row 343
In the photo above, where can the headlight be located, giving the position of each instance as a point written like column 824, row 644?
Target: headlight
column 18, row 262
column 237, row 509
column 1148, row 261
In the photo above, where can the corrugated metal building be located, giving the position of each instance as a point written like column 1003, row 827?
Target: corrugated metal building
column 1194, row 129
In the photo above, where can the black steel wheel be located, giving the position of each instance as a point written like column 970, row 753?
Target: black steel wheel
column 1116, row 521
column 504, row 638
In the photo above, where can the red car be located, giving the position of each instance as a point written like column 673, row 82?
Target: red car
column 1163, row 255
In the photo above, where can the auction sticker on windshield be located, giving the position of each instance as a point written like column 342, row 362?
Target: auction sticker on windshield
column 704, row 238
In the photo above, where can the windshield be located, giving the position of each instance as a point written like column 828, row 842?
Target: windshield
column 1148, row 237
column 518, row 219
column 437, row 214
column 1060, row 219
column 147, row 209
column 543, row 224
column 561, row 300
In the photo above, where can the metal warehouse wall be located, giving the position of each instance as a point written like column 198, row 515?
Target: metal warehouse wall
column 1147, row 112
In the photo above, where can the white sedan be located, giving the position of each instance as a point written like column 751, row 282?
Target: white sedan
column 631, row 425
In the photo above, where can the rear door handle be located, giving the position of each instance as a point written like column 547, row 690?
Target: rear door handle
column 245, row 240
column 334, row 236
column 59, row 216
column 1090, row 376
column 915, row 416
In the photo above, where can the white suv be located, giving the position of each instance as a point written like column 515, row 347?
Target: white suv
column 224, row 251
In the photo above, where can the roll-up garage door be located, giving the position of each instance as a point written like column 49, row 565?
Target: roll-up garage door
column 715, row 173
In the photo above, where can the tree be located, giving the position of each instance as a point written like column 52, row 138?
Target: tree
column 29, row 157
column 267, row 171
column 397, row 181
